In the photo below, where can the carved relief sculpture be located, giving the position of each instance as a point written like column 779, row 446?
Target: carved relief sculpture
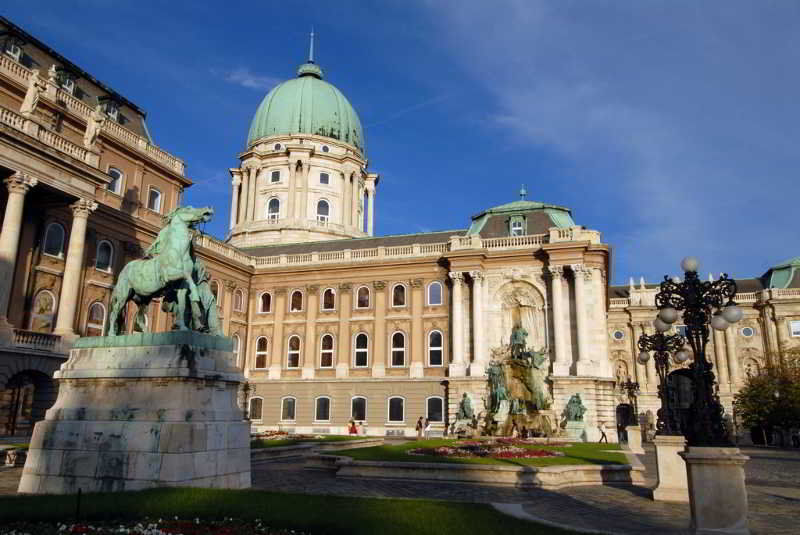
column 36, row 86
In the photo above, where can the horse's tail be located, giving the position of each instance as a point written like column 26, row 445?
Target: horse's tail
column 119, row 298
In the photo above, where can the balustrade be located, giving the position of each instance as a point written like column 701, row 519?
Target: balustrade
column 37, row 340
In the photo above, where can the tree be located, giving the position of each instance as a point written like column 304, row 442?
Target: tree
column 771, row 398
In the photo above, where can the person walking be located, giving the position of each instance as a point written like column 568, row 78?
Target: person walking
column 602, row 428
column 427, row 429
column 420, row 428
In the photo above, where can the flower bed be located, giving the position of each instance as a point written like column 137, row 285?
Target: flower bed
column 500, row 448
column 228, row 526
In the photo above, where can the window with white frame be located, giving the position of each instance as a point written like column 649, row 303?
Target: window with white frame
column 398, row 349
column 96, row 319
column 358, row 408
column 324, row 178
column 399, row 295
column 238, row 300
column 288, row 406
column 329, row 299
column 262, row 352
column 517, row 226
column 154, row 199
column 362, row 297
column 361, row 351
column 273, row 209
column 435, row 409
column 256, row 404
column 326, row 351
column 794, row 328
column 115, row 186
column 435, row 350
column 275, row 176
column 323, row 211
column 104, row 257
column 293, row 352
column 322, row 409
column 265, row 303
column 435, row 293
column 296, row 301
column 397, row 410
column 54, row 240
column 13, row 49
column 112, row 109
column 43, row 312
column 236, row 349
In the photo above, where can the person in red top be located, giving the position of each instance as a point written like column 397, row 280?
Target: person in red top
column 353, row 429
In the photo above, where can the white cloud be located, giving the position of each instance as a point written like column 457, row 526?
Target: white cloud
column 244, row 77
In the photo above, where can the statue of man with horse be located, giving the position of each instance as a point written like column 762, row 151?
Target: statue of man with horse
column 169, row 271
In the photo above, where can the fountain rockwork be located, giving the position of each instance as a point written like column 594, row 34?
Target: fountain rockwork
column 148, row 409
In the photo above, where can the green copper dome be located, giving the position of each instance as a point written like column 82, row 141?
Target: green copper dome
column 307, row 105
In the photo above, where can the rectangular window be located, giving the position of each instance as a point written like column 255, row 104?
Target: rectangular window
column 275, row 177
column 396, row 410
column 287, row 410
column 794, row 328
column 323, row 412
column 516, row 228
column 359, row 409
column 324, row 178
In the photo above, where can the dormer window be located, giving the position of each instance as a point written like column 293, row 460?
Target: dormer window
column 68, row 85
column 517, row 226
column 13, row 49
column 112, row 110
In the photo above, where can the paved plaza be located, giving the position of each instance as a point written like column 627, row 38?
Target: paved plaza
column 773, row 482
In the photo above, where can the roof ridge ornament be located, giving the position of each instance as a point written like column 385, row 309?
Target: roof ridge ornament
column 311, row 47
column 523, row 193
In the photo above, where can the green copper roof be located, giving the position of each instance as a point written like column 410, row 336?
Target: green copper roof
column 307, row 105
column 781, row 274
column 559, row 216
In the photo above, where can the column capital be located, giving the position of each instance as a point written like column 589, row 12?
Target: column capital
column 83, row 207
column 456, row 276
column 578, row 268
column 556, row 272
column 312, row 290
column 281, row 291
column 20, row 182
column 345, row 287
column 230, row 285
column 477, row 275
column 379, row 285
column 415, row 283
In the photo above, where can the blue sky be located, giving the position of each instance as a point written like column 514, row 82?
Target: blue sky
column 669, row 126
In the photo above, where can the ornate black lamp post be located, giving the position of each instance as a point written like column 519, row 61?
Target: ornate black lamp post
column 662, row 345
column 703, row 303
column 632, row 389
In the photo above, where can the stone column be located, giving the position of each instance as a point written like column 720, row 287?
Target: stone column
column 236, row 182
column 70, row 284
column 310, row 353
column 304, row 195
column 354, row 206
column 251, row 194
column 457, row 366
column 720, row 366
column 733, row 361
column 18, row 186
column 640, row 370
column 379, row 340
column 584, row 365
column 601, row 317
column 370, row 213
column 343, row 343
column 277, row 348
column 651, row 362
column 290, row 213
column 561, row 365
column 478, row 365
column 243, row 197
column 418, row 334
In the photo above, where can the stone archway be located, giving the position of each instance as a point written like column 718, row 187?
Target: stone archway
column 518, row 302
column 27, row 390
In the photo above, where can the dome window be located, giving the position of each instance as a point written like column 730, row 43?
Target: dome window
column 324, row 178
column 325, row 148
column 273, row 210
column 275, row 177
column 277, row 146
column 323, row 212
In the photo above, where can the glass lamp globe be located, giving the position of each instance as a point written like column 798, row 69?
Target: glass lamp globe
column 668, row 315
column 681, row 356
column 690, row 263
column 643, row 357
column 661, row 326
column 732, row 313
column 719, row 323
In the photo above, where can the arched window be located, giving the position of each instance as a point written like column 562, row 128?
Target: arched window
column 238, row 300
column 361, row 351
column 328, row 299
column 322, row 409
column 398, row 349
column 265, row 303
column 296, row 302
column 435, row 293
column 96, row 319
column 288, row 406
column 273, row 209
column 154, row 199
column 115, row 185
column 54, row 240
column 236, row 349
column 435, row 409
column 435, row 348
column 362, row 297
column 44, row 309
column 399, row 295
column 397, row 410
column 358, row 408
column 323, row 211
column 326, row 351
column 256, row 405
column 293, row 352
column 105, row 256
column 262, row 354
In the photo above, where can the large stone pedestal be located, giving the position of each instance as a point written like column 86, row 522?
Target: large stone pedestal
column 141, row 411
column 672, row 484
column 717, row 494
column 576, row 431
column 635, row 439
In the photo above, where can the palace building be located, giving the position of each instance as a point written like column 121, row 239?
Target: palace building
column 330, row 322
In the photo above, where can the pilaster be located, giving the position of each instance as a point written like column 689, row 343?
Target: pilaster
column 379, row 343
column 457, row 365
column 278, row 347
column 310, row 349
column 343, row 346
column 478, row 365
column 417, row 333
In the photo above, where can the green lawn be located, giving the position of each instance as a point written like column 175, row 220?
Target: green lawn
column 315, row 514
column 275, row 442
column 577, row 453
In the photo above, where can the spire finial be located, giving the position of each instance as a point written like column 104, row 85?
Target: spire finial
column 311, row 48
column 522, row 193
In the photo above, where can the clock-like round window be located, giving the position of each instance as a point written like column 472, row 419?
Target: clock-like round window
column 325, row 148
column 277, row 146
column 747, row 332
column 618, row 335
